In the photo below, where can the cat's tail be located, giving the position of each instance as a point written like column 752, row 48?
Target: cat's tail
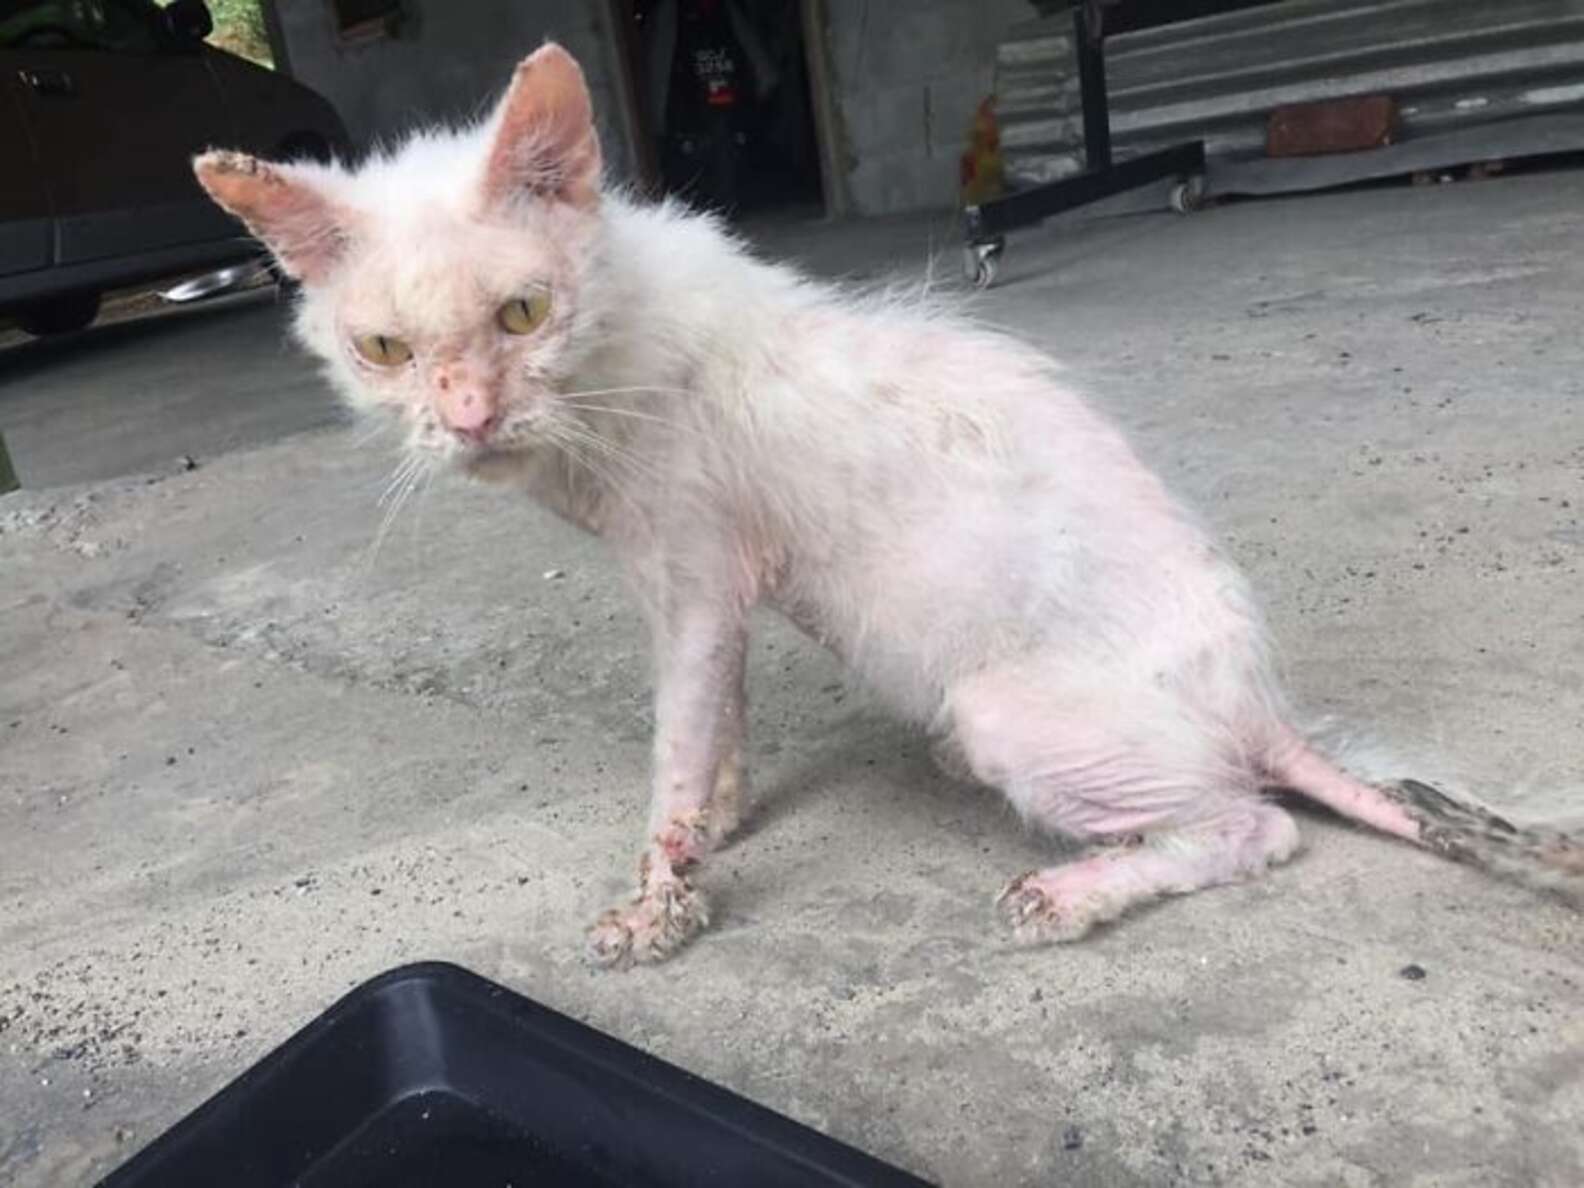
column 1545, row 859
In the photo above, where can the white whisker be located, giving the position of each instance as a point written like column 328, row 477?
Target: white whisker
column 378, row 429
column 631, row 414
column 616, row 412
column 423, row 502
column 404, row 470
column 573, row 449
column 402, row 485
column 637, row 389
column 609, row 449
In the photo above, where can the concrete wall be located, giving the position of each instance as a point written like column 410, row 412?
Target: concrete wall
column 447, row 60
column 908, row 75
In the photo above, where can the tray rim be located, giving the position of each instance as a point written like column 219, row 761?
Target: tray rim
column 546, row 1026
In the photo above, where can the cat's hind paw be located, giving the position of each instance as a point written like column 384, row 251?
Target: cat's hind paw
column 1036, row 916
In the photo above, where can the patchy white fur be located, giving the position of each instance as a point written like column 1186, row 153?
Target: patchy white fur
column 926, row 496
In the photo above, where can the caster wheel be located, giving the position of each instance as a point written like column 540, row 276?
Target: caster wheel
column 980, row 262
column 984, row 272
column 1189, row 195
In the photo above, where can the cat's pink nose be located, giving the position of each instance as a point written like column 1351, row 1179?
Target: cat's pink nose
column 468, row 412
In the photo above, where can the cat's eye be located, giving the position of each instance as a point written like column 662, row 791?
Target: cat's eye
column 524, row 315
column 382, row 350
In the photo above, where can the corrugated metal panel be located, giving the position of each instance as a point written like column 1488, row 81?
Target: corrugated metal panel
column 1450, row 64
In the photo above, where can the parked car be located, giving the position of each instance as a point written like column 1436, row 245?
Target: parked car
column 102, row 105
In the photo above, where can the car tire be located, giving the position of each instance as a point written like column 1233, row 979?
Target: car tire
column 65, row 314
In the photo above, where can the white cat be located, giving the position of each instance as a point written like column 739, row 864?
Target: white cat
column 922, row 495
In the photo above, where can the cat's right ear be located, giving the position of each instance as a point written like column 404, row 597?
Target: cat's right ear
column 544, row 141
column 297, row 222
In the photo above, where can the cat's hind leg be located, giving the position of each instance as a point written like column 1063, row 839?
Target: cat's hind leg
column 1062, row 903
column 1167, row 808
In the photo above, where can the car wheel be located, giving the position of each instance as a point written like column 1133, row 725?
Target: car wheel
column 59, row 315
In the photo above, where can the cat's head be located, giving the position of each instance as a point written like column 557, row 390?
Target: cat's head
column 444, row 280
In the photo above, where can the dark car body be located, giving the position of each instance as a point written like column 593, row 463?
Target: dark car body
column 102, row 105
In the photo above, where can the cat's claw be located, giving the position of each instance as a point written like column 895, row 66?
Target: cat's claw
column 1036, row 917
column 659, row 921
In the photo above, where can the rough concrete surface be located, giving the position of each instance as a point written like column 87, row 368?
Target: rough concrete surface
column 245, row 764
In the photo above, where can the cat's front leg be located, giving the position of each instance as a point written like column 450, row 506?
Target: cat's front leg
column 699, row 708
column 729, row 788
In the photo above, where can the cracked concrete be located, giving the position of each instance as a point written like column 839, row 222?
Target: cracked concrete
column 245, row 764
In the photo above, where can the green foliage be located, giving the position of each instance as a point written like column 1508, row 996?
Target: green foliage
column 239, row 29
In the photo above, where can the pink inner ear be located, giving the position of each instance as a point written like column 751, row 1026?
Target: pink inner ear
column 544, row 138
column 304, row 229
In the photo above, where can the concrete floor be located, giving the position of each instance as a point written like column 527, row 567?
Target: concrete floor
column 137, row 397
column 245, row 762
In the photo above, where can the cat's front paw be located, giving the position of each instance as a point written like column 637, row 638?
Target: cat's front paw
column 665, row 914
column 682, row 842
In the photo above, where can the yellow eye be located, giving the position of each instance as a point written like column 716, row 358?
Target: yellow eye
column 382, row 350
column 524, row 315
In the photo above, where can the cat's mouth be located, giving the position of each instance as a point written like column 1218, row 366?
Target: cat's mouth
column 489, row 462
column 481, row 453
column 516, row 434
column 513, row 438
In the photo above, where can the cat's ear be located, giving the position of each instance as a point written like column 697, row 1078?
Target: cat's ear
column 544, row 141
column 282, row 206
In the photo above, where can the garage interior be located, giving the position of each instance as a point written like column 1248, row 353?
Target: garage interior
column 257, row 745
column 725, row 118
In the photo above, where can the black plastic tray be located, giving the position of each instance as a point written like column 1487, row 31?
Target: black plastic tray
column 433, row 1077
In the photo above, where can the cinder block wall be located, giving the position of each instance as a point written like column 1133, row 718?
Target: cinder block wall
column 907, row 76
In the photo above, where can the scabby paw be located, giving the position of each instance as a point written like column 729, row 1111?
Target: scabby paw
column 1036, row 916
column 663, row 917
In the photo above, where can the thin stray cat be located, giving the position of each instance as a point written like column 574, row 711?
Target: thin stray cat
column 924, row 496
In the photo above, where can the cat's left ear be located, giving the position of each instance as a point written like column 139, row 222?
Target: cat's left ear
column 304, row 229
column 545, row 145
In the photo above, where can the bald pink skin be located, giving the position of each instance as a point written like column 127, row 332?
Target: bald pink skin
column 467, row 399
column 926, row 497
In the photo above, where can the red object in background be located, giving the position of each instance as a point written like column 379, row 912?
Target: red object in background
column 981, row 172
column 710, row 51
column 717, row 72
column 1338, row 126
